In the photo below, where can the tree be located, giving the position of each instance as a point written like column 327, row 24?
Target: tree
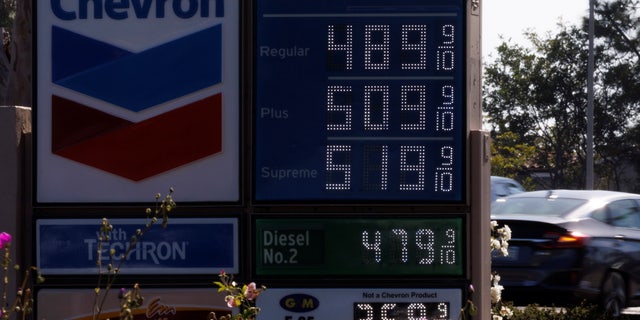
column 619, row 26
column 510, row 157
column 7, row 13
column 533, row 93
column 618, row 30
column 539, row 93
column 15, row 56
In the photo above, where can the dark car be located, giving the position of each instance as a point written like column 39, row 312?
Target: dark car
column 570, row 246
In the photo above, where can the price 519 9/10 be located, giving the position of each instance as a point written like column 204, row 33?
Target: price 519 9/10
column 410, row 168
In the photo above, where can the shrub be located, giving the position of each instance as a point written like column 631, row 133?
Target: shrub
column 580, row 312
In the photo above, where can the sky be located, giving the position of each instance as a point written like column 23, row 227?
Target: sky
column 510, row 18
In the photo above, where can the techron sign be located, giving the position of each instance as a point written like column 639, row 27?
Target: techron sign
column 191, row 246
column 135, row 96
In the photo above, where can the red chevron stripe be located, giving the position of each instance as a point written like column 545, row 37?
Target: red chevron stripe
column 136, row 150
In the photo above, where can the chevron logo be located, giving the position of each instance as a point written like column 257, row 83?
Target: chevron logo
column 136, row 82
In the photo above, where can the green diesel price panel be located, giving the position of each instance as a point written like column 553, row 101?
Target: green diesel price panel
column 426, row 246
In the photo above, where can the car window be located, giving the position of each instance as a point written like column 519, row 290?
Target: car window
column 504, row 189
column 513, row 188
column 501, row 189
column 624, row 213
column 541, row 206
column 601, row 215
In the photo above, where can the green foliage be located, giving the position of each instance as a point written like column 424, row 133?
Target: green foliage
column 581, row 312
column 535, row 94
column 635, row 154
column 510, row 156
column 7, row 13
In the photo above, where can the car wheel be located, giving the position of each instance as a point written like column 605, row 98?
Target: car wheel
column 614, row 294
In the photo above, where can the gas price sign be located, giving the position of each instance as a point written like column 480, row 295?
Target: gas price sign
column 360, row 304
column 359, row 100
column 413, row 310
column 432, row 246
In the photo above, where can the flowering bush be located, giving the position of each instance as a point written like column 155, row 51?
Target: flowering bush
column 129, row 299
column 499, row 242
column 500, row 238
column 109, row 270
column 23, row 303
column 238, row 296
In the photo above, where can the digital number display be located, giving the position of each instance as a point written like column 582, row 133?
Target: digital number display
column 359, row 100
column 360, row 303
column 408, row 311
column 359, row 246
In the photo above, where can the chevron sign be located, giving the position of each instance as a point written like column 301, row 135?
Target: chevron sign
column 134, row 94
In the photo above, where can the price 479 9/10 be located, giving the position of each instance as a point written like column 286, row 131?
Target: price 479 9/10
column 395, row 245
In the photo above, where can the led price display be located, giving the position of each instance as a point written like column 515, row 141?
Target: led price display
column 359, row 246
column 409, row 311
column 359, row 100
column 362, row 303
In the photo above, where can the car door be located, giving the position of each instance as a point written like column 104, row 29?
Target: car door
column 614, row 244
column 625, row 218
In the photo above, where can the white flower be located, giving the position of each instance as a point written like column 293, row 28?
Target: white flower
column 495, row 244
column 505, row 233
column 496, row 317
column 506, row 312
column 504, row 249
column 496, row 293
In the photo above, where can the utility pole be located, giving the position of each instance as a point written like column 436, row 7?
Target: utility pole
column 589, row 151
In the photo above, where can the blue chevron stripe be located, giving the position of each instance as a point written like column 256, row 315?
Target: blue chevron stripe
column 141, row 80
column 72, row 53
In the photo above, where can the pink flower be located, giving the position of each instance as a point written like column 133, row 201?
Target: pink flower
column 5, row 239
column 251, row 292
column 231, row 301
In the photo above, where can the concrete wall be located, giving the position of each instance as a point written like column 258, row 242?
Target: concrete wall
column 15, row 184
